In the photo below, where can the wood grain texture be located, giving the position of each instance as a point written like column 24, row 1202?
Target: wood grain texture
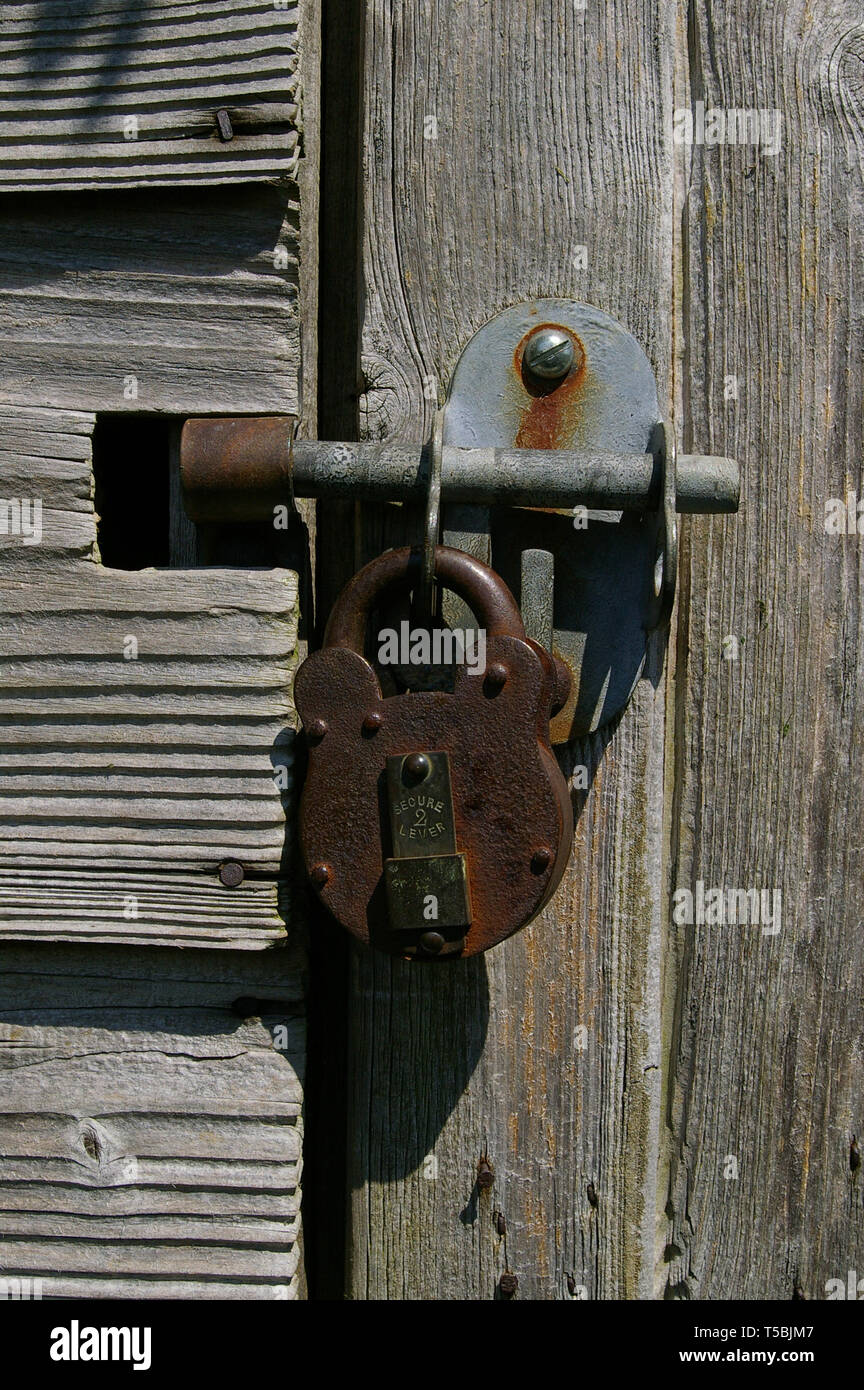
column 189, row 303
column 104, row 95
column 764, row 1031
column 551, row 125
column 45, row 468
column 151, row 1100
column 146, row 727
column 151, row 1122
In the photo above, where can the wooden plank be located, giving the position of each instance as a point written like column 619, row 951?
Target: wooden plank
column 765, row 1028
column 151, row 1125
column 151, row 1121
column 100, row 904
column 108, row 97
column 46, row 489
column 145, row 724
column 545, row 1054
column 189, row 303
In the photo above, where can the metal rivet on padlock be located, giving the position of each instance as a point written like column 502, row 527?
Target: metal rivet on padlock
column 450, row 828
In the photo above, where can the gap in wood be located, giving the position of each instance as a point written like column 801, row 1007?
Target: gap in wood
column 325, row 1194
column 131, row 472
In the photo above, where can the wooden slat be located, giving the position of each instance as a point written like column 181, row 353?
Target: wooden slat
column 75, row 75
column 45, row 470
column 126, row 783
column 554, row 131
column 765, row 1089
column 186, row 303
column 150, row 1122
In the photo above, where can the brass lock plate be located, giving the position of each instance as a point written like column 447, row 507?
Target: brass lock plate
column 426, row 878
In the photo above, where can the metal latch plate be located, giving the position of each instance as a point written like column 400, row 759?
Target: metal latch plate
column 604, row 603
column 426, row 879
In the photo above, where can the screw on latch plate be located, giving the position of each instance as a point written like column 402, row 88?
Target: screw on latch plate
column 549, row 354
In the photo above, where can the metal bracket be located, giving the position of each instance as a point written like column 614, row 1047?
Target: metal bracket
column 605, row 574
column 550, row 457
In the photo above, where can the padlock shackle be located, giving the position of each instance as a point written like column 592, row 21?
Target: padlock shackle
column 482, row 589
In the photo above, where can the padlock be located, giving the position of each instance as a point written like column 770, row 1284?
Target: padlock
column 433, row 824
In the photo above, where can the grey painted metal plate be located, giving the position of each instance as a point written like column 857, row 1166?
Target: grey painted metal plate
column 604, row 603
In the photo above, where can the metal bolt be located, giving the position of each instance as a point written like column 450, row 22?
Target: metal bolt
column 231, row 874
column 485, row 1174
column 317, row 728
column 549, row 354
column 432, row 941
column 416, row 768
column 373, row 721
column 540, row 861
column 496, row 675
column 320, row 874
column 500, row 1223
column 507, row 1285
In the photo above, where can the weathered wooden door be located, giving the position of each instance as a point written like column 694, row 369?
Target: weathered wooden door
column 666, row 1094
column 152, row 1005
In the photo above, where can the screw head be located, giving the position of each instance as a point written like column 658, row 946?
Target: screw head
column 320, row 874
column 317, row 728
column 507, row 1285
column 373, row 721
column 416, row 768
column 432, row 941
column 549, row 354
column 496, row 675
column 540, row 860
column 231, row 874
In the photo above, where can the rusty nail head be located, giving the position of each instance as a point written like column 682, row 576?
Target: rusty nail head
column 373, row 721
column 231, row 874
column 540, row 860
column 320, row 874
column 432, row 942
column 224, row 126
column 496, row 675
column 508, row 1284
column 549, row 354
column 416, row 768
column 500, row 1223
column 485, row 1174
column 316, row 728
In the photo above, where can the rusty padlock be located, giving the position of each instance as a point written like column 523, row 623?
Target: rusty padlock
column 433, row 824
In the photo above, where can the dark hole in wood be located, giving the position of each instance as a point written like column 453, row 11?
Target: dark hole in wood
column 132, row 480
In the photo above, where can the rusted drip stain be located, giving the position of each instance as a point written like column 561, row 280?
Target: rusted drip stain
column 551, row 417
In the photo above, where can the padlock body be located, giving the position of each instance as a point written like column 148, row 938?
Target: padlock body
column 427, row 894
column 512, row 815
